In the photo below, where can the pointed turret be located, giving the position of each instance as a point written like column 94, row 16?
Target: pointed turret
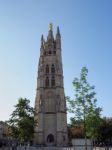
column 58, row 39
column 42, row 45
column 58, row 31
column 50, row 33
column 42, row 41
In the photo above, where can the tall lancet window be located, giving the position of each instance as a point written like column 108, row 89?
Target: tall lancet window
column 47, row 81
column 52, row 81
column 52, row 69
column 47, row 68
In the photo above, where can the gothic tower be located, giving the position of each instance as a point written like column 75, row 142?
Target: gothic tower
column 50, row 104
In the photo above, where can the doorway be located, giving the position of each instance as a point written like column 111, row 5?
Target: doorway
column 50, row 139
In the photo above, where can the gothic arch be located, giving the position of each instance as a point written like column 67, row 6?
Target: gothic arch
column 53, row 81
column 47, row 81
column 50, row 138
column 52, row 68
column 47, row 68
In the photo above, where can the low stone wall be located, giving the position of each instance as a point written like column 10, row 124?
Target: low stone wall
column 102, row 148
column 81, row 144
column 62, row 148
column 53, row 148
column 45, row 148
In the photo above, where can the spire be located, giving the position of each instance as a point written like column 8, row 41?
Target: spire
column 50, row 33
column 42, row 40
column 58, row 38
column 42, row 37
column 58, row 31
column 50, row 26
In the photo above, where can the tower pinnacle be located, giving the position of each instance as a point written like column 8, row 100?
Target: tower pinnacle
column 42, row 40
column 50, row 33
column 58, row 39
column 58, row 30
column 50, row 26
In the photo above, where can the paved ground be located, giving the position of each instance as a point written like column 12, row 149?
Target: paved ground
column 51, row 148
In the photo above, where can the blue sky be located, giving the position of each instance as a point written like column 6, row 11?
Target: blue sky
column 86, row 30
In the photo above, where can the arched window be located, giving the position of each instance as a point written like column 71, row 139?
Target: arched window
column 50, row 138
column 52, row 81
column 45, row 53
column 50, row 52
column 47, row 68
column 63, row 138
column 47, row 81
column 54, row 52
column 52, row 69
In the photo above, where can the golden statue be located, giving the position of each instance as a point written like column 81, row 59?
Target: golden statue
column 50, row 26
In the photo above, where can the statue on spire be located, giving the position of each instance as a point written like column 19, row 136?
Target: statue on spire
column 50, row 26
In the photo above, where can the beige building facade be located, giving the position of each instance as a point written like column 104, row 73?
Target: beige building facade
column 50, row 104
column 4, row 130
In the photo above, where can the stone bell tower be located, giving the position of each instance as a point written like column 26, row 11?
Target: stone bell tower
column 50, row 104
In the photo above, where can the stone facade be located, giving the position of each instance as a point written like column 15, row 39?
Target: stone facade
column 50, row 104
column 4, row 130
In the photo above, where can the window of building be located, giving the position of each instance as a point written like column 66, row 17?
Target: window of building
column 50, row 52
column 52, row 81
column 52, row 69
column 45, row 53
column 54, row 52
column 47, row 68
column 63, row 138
column 47, row 81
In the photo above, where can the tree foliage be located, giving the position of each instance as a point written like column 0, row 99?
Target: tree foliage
column 84, row 105
column 22, row 121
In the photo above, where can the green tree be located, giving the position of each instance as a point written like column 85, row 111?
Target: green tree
column 22, row 121
column 84, row 105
